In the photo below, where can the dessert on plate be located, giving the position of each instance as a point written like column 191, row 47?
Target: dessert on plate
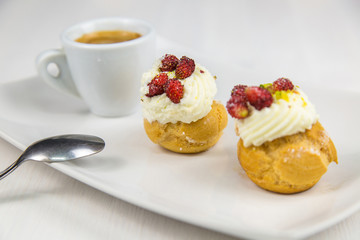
column 179, row 110
column 283, row 147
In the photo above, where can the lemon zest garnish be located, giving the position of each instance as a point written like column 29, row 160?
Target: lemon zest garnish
column 304, row 102
column 282, row 95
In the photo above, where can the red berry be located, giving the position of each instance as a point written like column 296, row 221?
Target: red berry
column 239, row 90
column 154, row 90
column 237, row 107
column 174, row 90
column 259, row 97
column 159, row 79
column 169, row 63
column 282, row 84
column 157, row 84
column 185, row 68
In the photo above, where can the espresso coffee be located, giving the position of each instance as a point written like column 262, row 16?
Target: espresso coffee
column 107, row 37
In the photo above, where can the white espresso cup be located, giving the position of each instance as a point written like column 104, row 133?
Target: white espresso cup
column 106, row 76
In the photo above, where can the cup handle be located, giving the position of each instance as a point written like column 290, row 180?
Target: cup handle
column 63, row 80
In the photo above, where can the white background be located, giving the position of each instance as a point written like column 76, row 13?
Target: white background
column 312, row 41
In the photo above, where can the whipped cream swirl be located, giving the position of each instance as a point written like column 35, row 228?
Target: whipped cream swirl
column 199, row 93
column 282, row 118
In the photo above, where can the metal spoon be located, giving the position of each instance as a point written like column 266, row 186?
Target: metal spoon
column 58, row 149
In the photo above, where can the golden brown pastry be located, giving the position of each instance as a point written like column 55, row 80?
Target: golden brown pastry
column 289, row 164
column 179, row 110
column 189, row 137
column 282, row 148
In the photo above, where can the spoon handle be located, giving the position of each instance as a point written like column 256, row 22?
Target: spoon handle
column 9, row 170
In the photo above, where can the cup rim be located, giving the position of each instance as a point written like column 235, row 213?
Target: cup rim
column 71, row 42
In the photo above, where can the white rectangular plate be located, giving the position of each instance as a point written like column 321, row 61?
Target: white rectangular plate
column 208, row 189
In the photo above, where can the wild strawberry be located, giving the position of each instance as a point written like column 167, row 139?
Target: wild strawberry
column 169, row 63
column 239, row 90
column 237, row 107
column 282, row 84
column 174, row 90
column 157, row 84
column 185, row 68
column 155, row 90
column 259, row 97
column 160, row 79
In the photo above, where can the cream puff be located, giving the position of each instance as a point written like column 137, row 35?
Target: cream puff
column 282, row 147
column 179, row 110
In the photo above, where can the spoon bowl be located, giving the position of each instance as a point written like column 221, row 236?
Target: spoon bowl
column 58, row 149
